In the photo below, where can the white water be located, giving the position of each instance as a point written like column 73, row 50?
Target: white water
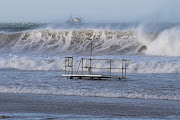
column 164, row 43
column 31, row 61
column 138, row 64
column 142, row 86
column 167, row 43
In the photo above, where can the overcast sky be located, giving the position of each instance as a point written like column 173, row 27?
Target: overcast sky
column 90, row 10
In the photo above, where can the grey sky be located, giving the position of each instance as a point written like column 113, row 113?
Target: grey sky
column 91, row 10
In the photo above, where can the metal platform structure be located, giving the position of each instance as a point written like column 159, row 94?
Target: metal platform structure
column 99, row 77
column 84, row 71
column 85, row 67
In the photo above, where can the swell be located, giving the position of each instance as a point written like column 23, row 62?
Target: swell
column 19, row 27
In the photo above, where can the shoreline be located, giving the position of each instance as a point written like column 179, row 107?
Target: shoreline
column 94, row 106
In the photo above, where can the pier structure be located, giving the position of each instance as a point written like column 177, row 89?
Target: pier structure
column 85, row 68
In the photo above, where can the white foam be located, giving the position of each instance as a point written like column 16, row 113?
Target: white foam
column 154, row 67
column 142, row 65
column 167, row 42
column 31, row 63
column 94, row 93
column 68, row 41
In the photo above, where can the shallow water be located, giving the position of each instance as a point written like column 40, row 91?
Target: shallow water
column 31, row 61
column 36, row 116
column 144, row 86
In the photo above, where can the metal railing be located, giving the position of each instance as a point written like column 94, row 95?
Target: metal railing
column 86, row 65
column 68, row 65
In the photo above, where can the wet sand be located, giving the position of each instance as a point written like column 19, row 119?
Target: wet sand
column 94, row 106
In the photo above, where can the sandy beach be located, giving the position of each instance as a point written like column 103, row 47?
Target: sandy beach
column 94, row 106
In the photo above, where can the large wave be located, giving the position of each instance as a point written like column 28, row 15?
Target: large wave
column 105, row 41
column 165, row 43
column 70, row 41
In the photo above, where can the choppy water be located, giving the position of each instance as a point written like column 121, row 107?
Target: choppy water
column 31, row 59
column 143, row 86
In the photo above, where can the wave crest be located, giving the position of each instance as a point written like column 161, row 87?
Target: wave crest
column 166, row 43
column 143, row 65
column 70, row 41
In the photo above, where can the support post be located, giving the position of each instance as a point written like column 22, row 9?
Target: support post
column 122, row 68
column 110, row 67
column 82, row 65
column 65, row 66
column 90, row 67
column 72, row 66
column 125, row 69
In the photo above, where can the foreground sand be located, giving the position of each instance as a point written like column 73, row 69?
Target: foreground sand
column 95, row 106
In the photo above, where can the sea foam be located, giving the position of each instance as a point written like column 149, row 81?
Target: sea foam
column 140, row 64
column 93, row 93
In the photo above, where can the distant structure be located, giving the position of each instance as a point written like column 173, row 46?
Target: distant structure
column 76, row 20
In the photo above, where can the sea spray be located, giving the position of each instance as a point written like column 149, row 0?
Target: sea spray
column 32, row 61
column 165, row 43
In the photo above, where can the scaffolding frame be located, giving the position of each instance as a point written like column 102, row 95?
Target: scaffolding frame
column 88, row 69
column 69, row 65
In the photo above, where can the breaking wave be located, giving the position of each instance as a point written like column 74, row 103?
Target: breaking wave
column 165, row 43
column 17, row 49
column 76, row 41
column 139, row 64
column 69, row 41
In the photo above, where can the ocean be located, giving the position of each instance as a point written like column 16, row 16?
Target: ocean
column 32, row 62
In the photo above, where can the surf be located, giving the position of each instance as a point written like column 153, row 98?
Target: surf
column 106, row 40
